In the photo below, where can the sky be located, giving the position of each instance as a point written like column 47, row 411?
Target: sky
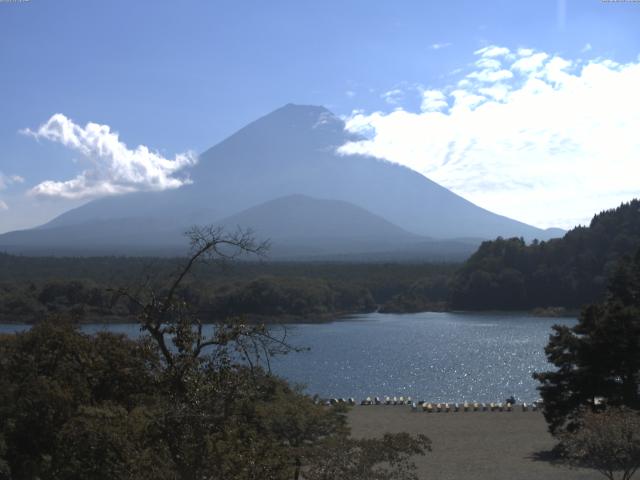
column 530, row 109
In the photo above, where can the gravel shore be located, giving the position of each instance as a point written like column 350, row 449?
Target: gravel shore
column 472, row 445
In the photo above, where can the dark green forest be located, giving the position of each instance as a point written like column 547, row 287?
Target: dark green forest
column 508, row 274
column 82, row 288
column 504, row 274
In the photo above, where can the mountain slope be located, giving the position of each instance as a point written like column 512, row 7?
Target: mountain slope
column 300, row 216
column 290, row 151
column 300, row 225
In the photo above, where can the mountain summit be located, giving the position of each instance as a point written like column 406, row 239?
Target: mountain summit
column 291, row 151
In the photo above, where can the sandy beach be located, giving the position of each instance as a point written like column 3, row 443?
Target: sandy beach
column 472, row 445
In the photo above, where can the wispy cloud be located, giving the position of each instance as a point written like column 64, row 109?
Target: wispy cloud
column 525, row 133
column 5, row 182
column 587, row 48
column 492, row 51
column 393, row 97
column 439, row 46
column 113, row 168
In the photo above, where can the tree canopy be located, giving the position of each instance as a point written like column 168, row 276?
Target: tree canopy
column 598, row 359
column 569, row 272
column 181, row 402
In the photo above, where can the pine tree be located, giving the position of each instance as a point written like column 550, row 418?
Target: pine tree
column 597, row 360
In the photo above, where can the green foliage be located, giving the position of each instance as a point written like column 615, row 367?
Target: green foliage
column 73, row 406
column 302, row 297
column 49, row 376
column 508, row 274
column 175, row 404
column 426, row 294
column 32, row 288
column 599, row 358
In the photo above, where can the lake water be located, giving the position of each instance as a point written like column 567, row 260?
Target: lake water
column 442, row 357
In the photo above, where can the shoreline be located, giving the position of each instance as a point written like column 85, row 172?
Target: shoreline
column 286, row 319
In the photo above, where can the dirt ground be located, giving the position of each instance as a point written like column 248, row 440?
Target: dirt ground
column 472, row 445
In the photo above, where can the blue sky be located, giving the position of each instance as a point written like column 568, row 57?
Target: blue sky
column 178, row 77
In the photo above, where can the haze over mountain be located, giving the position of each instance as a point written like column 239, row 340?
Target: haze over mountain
column 281, row 176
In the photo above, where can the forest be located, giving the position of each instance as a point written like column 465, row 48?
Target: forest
column 83, row 289
column 508, row 274
column 504, row 274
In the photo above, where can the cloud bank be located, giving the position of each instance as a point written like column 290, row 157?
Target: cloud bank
column 524, row 133
column 114, row 168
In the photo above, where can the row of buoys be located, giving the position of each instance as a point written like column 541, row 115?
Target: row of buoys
column 387, row 401
column 336, row 401
column 465, row 407
column 473, row 407
column 430, row 407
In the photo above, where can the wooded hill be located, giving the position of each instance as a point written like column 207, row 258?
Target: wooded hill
column 508, row 274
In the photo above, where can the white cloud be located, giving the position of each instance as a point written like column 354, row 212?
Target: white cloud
column 551, row 144
column 530, row 62
column 439, row 46
column 433, row 101
column 491, row 76
column 493, row 51
column 525, row 52
column 113, row 167
column 587, row 48
column 350, row 93
column 5, row 182
column 488, row 63
column 393, row 97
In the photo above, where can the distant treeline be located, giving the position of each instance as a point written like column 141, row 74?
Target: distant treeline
column 567, row 272
column 85, row 289
column 504, row 274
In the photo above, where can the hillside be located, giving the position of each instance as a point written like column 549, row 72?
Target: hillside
column 301, row 225
column 568, row 272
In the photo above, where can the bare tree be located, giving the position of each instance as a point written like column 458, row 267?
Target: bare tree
column 386, row 458
column 177, row 329
column 201, row 369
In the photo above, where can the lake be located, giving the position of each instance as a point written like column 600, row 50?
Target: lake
column 442, row 357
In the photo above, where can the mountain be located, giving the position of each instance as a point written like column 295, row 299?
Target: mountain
column 298, row 224
column 301, row 227
column 291, row 151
